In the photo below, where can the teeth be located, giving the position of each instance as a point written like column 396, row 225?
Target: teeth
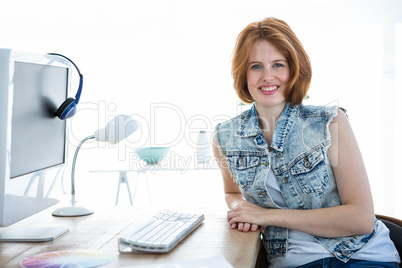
column 269, row 88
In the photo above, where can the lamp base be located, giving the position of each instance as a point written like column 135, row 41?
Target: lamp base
column 72, row 211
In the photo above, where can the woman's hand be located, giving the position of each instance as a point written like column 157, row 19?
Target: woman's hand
column 246, row 217
column 245, row 227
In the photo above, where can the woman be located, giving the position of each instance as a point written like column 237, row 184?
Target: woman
column 293, row 170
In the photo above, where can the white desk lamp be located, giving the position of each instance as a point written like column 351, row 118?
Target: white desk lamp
column 118, row 129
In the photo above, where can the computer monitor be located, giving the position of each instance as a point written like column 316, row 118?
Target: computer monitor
column 33, row 140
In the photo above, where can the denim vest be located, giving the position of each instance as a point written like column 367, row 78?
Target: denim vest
column 300, row 163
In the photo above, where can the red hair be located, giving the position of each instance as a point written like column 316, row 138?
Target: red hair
column 283, row 38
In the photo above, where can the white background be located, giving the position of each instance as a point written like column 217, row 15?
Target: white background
column 167, row 63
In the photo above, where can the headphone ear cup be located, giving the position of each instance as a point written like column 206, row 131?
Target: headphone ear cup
column 67, row 109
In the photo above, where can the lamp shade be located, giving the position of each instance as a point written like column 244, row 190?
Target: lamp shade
column 119, row 128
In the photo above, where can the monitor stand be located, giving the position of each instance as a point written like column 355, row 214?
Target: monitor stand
column 41, row 234
column 17, row 207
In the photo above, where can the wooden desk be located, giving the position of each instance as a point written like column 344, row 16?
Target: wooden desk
column 101, row 230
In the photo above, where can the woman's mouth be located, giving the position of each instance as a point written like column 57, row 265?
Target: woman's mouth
column 269, row 90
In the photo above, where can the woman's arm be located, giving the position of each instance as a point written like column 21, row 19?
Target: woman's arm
column 233, row 195
column 354, row 216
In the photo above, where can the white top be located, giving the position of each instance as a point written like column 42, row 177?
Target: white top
column 303, row 248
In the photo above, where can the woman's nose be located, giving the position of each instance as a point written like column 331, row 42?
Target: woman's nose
column 268, row 76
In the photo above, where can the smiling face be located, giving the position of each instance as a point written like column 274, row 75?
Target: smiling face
column 267, row 75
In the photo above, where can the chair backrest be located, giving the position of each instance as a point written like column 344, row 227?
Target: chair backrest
column 395, row 231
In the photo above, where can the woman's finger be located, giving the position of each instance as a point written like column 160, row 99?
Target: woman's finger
column 246, row 227
column 254, row 227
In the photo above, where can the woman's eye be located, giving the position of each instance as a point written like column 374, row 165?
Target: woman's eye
column 256, row 67
column 278, row 65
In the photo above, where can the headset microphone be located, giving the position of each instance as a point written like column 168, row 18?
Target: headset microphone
column 68, row 108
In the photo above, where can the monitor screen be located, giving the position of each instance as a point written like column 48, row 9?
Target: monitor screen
column 37, row 138
column 33, row 140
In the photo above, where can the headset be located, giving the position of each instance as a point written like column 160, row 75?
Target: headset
column 68, row 108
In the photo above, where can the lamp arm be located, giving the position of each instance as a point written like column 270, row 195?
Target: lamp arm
column 73, row 168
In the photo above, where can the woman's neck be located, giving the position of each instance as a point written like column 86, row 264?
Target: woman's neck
column 268, row 116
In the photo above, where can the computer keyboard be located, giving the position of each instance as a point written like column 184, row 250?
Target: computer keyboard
column 161, row 234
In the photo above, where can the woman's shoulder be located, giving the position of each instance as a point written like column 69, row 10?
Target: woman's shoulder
column 318, row 110
column 234, row 121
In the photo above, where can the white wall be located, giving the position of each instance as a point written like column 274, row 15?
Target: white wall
column 135, row 54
